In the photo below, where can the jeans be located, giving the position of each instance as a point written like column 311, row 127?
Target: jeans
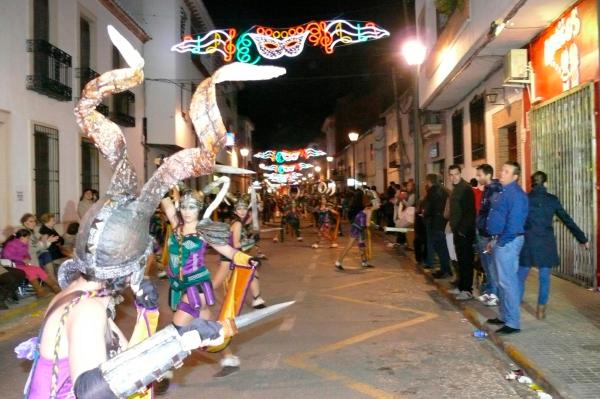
column 436, row 243
column 545, row 274
column 464, row 256
column 506, row 261
column 487, row 262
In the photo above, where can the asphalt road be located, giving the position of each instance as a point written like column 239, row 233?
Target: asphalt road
column 378, row 333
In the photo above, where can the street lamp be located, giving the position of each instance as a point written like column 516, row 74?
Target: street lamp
column 244, row 153
column 353, row 136
column 317, row 169
column 414, row 53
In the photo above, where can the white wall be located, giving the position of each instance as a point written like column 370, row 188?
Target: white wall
column 26, row 107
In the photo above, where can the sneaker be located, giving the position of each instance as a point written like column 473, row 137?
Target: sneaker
column 334, row 245
column 464, row 296
column 492, row 301
column 162, row 274
column 483, row 298
column 258, row 303
column 275, row 239
column 299, row 238
column 440, row 275
column 315, row 246
column 454, row 291
column 390, row 245
column 338, row 266
column 366, row 265
column 229, row 364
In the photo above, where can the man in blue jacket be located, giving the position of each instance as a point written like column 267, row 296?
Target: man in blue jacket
column 492, row 189
column 506, row 225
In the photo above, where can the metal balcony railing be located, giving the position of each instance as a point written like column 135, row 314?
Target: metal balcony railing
column 51, row 70
column 85, row 75
column 122, row 109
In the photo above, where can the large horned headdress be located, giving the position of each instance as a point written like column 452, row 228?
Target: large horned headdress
column 113, row 240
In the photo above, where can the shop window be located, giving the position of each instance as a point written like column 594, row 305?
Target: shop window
column 457, row 138
column 90, row 166
column 477, row 119
column 46, row 172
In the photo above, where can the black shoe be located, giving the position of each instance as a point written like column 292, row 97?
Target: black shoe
column 226, row 370
column 506, row 330
column 440, row 275
column 495, row 321
column 339, row 266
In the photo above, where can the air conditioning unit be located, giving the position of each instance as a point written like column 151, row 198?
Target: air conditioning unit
column 515, row 66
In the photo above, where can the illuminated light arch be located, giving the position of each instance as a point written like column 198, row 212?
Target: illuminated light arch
column 281, row 169
column 275, row 43
column 289, row 156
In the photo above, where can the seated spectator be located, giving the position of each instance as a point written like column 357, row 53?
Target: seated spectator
column 47, row 229
column 16, row 249
column 38, row 244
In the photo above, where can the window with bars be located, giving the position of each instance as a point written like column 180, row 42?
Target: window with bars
column 457, row 138
column 46, row 172
column 90, row 166
column 477, row 118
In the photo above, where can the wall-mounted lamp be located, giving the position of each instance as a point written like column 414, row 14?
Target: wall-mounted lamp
column 496, row 96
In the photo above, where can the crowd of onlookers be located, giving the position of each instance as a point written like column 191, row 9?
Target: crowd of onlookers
column 488, row 226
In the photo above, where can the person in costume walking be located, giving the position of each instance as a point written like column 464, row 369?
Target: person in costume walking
column 358, row 230
column 327, row 223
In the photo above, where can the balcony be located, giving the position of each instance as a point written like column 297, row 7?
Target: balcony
column 431, row 124
column 51, row 70
column 85, row 75
column 102, row 108
column 123, row 109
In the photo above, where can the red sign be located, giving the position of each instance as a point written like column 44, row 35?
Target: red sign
column 566, row 54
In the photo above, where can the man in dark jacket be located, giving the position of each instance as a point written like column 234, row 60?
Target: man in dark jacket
column 435, row 223
column 462, row 223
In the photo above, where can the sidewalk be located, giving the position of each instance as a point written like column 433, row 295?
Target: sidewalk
column 26, row 310
column 561, row 352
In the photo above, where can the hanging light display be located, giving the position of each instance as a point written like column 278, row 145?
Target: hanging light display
column 289, row 156
column 286, row 168
column 274, row 43
column 287, row 178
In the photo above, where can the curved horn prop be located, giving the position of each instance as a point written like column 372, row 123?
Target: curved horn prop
column 206, row 117
column 106, row 135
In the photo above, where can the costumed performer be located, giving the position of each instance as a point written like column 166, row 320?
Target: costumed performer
column 80, row 352
column 358, row 230
column 326, row 224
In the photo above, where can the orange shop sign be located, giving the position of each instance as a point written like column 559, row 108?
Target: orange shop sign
column 566, row 54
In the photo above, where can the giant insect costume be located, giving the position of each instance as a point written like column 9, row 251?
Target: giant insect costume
column 113, row 243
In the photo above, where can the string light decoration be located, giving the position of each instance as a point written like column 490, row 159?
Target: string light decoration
column 290, row 156
column 274, row 43
column 286, row 168
column 289, row 178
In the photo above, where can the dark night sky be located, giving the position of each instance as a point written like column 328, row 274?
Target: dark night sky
column 289, row 111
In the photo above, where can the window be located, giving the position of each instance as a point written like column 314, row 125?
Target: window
column 41, row 20
column 46, row 170
column 371, row 152
column 477, row 115
column 457, row 138
column 393, row 156
column 85, row 72
column 90, row 166
column 512, row 142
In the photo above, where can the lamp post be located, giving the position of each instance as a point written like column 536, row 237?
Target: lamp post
column 414, row 53
column 329, row 161
column 353, row 136
column 244, row 153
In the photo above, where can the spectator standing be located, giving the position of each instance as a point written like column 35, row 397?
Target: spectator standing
column 85, row 202
column 491, row 190
column 506, row 224
column 462, row 223
column 435, row 223
column 539, row 248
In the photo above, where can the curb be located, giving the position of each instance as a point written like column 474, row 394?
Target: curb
column 478, row 320
column 10, row 316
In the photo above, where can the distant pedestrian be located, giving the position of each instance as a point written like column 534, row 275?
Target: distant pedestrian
column 462, row 223
column 491, row 190
column 540, row 243
column 506, row 225
column 435, row 224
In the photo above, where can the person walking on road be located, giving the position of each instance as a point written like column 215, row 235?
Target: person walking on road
column 435, row 223
column 539, row 248
column 506, row 225
column 462, row 223
column 491, row 190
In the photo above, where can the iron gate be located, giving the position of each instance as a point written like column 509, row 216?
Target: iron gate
column 563, row 145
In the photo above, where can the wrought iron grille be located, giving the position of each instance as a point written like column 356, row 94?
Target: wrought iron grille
column 46, row 172
column 51, row 70
column 85, row 75
column 123, row 109
column 90, row 166
column 563, row 146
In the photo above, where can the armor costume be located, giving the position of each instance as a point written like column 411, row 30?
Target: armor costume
column 113, row 241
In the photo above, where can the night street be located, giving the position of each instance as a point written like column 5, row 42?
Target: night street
column 382, row 333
